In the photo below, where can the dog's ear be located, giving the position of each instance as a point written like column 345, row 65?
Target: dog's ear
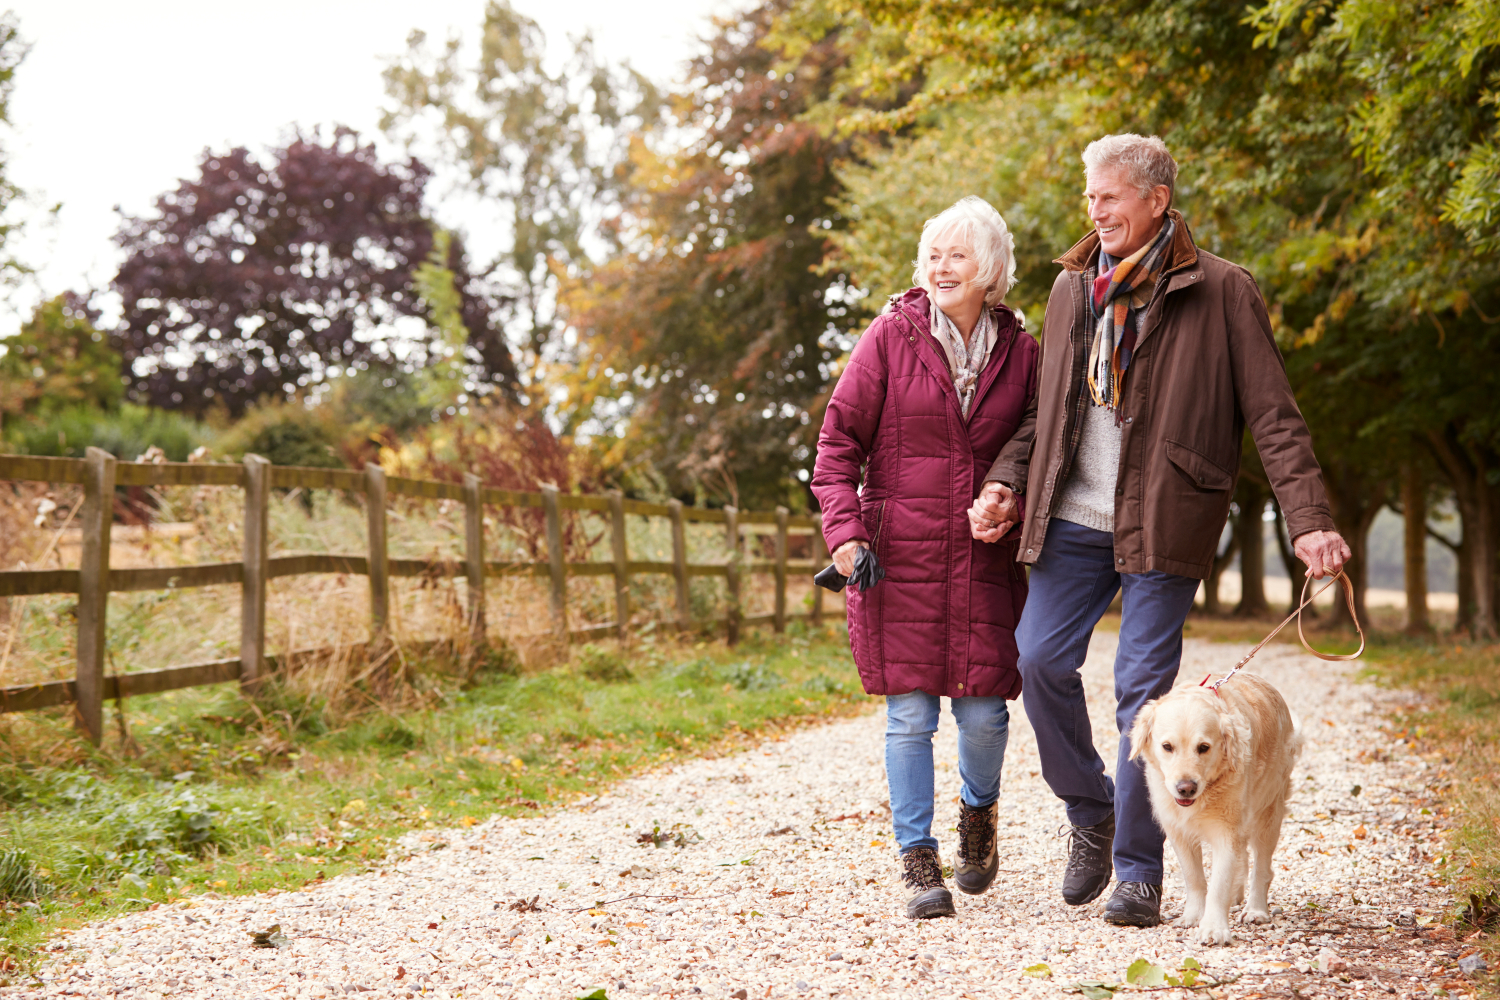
column 1234, row 740
column 1140, row 730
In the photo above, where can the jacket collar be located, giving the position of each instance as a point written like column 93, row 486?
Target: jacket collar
column 913, row 306
column 1183, row 252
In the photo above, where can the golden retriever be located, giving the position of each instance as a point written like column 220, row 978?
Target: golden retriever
column 1219, row 767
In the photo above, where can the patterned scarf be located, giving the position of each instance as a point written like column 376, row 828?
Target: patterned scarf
column 966, row 360
column 1118, row 293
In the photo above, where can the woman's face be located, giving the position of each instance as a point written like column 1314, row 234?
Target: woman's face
column 952, row 273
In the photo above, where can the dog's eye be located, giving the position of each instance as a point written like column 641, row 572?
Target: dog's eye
column 1167, row 747
column 1203, row 748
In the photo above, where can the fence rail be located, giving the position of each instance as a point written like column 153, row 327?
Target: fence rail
column 99, row 473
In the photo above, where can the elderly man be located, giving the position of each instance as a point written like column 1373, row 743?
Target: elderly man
column 1155, row 356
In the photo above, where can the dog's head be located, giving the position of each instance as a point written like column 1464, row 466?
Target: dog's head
column 1191, row 739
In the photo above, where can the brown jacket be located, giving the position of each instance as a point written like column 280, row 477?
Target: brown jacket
column 1205, row 366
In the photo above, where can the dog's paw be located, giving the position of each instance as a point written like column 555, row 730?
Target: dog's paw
column 1189, row 918
column 1255, row 916
column 1214, row 932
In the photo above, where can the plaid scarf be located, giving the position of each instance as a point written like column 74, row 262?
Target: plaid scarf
column 1118, row 293
column 967, row 359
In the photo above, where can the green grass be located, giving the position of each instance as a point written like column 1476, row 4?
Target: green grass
column 205, row 791
column 1457, row 724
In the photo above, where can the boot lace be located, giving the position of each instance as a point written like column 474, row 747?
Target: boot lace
column 976, row 832
column 920, row 868
column 1087, row 847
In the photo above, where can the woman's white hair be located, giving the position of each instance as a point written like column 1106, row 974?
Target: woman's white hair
column 975, row 224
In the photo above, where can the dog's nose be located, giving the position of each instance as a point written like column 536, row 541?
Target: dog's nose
column 1187, row 789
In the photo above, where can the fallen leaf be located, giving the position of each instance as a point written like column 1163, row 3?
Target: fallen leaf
column 1040, row 970
column 1144, row 972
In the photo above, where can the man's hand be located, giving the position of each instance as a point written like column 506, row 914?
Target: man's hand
column 843, row 557
column 1324, row 552
column 995, row 512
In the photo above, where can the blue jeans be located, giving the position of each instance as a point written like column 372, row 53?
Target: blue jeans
column 910, row 721
column 1072, row 585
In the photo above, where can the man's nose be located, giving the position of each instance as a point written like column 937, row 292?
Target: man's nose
column 1187, row 788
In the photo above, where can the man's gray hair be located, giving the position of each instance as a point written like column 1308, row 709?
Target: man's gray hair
column 1144, row 157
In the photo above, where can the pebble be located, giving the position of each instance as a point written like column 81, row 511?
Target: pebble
column 793, row 888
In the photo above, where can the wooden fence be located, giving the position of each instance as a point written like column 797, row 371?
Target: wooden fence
column 100, row 473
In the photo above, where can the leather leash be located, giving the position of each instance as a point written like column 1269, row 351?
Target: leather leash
column 1340, row 577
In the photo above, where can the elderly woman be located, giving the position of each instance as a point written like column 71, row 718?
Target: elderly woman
column 940, row 381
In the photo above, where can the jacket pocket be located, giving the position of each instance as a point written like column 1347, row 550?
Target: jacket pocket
column 1202, row 473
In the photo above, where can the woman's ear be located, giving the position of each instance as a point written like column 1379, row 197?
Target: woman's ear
column 1140, row 730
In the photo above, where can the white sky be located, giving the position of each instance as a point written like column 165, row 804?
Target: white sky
column 117, row 101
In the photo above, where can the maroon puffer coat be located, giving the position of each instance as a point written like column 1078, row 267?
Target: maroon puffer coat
column 943, row 620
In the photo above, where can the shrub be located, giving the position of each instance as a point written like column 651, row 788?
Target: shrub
column 126, row 433
column 748, row 676
column 284, row 434
column 19, row 880
column 603, row 665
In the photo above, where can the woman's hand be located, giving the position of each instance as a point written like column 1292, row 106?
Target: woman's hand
column 843, row 557
column 994, row 513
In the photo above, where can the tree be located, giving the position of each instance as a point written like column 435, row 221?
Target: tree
column 1357, row 183
column 708, row 347
column 12, row 51
column 546, row 148
column 59, row 360
column 261, row 278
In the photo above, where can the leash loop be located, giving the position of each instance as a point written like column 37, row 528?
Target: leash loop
column 1340, row 578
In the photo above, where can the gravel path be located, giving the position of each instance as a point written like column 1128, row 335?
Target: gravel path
column 792, row 889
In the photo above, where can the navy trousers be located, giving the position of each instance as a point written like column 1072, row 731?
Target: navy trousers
column 1072, row 585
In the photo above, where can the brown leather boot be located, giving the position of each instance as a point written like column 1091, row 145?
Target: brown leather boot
column 974, row 868
column 922, row 871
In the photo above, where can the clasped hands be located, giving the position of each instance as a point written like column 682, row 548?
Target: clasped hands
column 996, row 510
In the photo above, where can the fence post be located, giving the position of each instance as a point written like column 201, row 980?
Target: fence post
column 474, row 560
column 93, row 589
column 819, row 553
column 679, row 565
column 622, row 561
column 781, row 516
column 556, row 563
column 380, row 579
column 732, row 574
column 253, row 584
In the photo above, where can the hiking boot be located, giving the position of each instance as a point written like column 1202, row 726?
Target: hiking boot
column 1134, row 904
column 974, row 868
column 921, row 870
column 1090, row 849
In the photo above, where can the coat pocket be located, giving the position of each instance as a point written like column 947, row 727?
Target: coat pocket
column 1201, row 473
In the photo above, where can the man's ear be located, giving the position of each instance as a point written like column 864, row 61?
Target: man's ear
column 1140, row 730
column 1161, row 200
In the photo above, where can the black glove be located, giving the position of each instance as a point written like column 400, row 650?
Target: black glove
column 867, row 573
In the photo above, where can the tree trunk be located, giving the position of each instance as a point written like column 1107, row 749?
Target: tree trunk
column 1414, row 562
column 1296, row 569
column 1467, row 471
column 1250, row 530
column 1355, row 500
column 1211, row 605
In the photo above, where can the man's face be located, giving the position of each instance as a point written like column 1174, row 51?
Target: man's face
column 1125, row 221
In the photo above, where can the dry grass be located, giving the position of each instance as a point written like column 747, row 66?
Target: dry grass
column 157, row 629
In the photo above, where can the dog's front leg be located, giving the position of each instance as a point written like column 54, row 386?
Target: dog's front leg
column 1190, row 860
column 1265, row 836
column 1214, row 927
